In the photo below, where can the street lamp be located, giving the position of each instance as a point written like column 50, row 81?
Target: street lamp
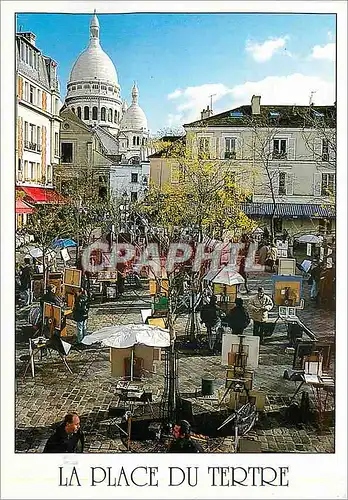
column 124, row 210
column 79, row 206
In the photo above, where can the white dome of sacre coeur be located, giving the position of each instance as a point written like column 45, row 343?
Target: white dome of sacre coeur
column 93, row 63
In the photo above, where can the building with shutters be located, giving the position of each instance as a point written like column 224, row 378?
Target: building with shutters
column 38, row 125
column 287, row 150
column 120, row 133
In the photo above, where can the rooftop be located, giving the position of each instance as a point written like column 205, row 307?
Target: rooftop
column 271, row 115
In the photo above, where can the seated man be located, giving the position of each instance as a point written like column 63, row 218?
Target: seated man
column 210, row 314
column 68, row 437
column 238, row 318
column 184, row 442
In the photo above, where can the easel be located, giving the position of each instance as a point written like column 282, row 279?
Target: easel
column 38, row 345
column 71, row 286
column 52, row 316
column 132, row 394
column 237, row 362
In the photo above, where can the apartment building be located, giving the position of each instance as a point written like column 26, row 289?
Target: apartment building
column 38, row 122
column 284, row 155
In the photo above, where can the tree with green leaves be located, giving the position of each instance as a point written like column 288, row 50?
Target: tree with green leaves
column 201, row 202
column 46, row 224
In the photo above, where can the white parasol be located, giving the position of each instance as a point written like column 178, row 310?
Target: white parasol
column 124, row 336
column 310, row 238
column 228, row 276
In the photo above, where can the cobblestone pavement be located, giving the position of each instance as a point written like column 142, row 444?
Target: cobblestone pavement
column 90, row 390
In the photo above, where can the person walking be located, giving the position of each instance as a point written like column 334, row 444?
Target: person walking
column 183, row 441
column 272, row 257
column 68, row 436
column 315, row 272
column 243, row 273
column 259, row 306
column 238, row 318
column 263, row 253
column 80, row 314
column 25, row 275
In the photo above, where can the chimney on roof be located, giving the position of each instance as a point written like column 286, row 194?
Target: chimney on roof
column 206, row 113
column 31, row 37
column 256, row 105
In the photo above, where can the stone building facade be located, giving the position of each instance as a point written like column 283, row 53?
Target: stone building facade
column 37, row 124
column 284, row 155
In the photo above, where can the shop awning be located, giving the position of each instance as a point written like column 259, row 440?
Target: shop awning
column 289, row 210
column 41, row 195
column 23, row 208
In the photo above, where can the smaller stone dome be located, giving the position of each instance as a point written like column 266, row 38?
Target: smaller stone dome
column 134, row 118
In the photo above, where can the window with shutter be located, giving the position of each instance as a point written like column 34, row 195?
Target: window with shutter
column 279, row 149
column 290, row 184
column 44, row 101
column 291, row 149
column 325, row 150
column 275, row 182
column 317, row 149
column 217, row 147
column 230, row 148
column 327, row 184
column 20, row 87
column 174, row 174
column 204, row 147
column 317, row 184
column 282, row 183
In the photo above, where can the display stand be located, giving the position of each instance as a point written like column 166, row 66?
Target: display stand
column 236, row 379
column 71, row 286
column 37, row 346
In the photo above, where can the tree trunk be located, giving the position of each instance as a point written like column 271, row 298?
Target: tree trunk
column 44, row 271
column 172, row 387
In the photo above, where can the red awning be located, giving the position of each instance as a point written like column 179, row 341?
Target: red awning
column 23, row 208
column 41, row 195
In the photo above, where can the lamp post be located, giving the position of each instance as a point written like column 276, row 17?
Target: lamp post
column 124, row 210
column 79, row 206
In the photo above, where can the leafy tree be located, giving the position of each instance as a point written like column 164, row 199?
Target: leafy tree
column 46, row 224
column 203, row 203
column 88, row 207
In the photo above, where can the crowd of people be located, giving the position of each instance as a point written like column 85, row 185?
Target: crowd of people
column 68, row 436
column 238, row 317
column 50, row 295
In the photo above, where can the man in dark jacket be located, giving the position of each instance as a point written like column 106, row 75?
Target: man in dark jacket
column 80, row 314
column 238, row 318
column 184, row 442
column 210, row 314
column 68, row 437
column 26, row 274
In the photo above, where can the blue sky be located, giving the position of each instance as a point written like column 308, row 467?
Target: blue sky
column 178, row 60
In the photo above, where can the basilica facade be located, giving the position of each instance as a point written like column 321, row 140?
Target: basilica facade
column 99, row 130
